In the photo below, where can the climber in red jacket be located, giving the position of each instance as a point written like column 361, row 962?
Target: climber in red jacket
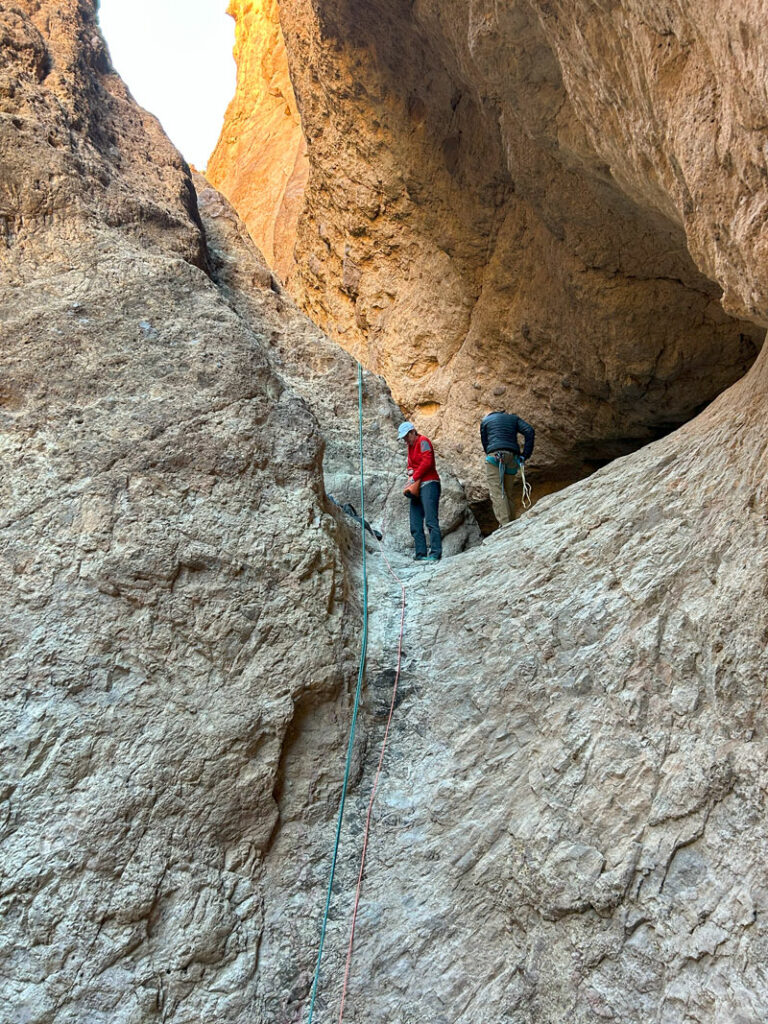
column 424, row 493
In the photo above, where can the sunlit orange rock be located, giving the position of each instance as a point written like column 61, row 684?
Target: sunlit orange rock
column 260, row 159
column 485, row 227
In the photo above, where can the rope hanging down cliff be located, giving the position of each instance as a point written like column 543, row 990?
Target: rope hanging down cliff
column 367, row 828
column 350, row 743
column 345, row 784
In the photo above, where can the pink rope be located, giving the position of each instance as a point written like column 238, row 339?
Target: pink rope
column 366, row 830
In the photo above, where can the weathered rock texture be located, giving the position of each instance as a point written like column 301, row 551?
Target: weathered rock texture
column 325, row 376
column 173, row 590
column 164, row 537
column 672, row 96
column 260, row 160
column 571, row 824
column 572, row 820
column 500, row 216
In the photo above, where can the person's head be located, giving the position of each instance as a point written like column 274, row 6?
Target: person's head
column 407, row 432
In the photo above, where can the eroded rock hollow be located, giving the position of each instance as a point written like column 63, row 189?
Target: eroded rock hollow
column 570, row 824
column 499, row 213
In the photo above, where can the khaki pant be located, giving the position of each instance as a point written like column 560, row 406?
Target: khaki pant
column 505, row 511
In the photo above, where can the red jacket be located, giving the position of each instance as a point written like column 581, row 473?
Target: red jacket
column 421, row 460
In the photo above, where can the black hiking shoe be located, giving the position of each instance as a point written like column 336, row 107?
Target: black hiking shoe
column 432, row 557
column 420, row 558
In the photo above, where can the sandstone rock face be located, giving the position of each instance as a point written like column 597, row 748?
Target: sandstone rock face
column 325, row 376
column 260, row 160
column 164, row 540
column 174, row 590
column 468, row 232
column 76, row 150
column 165, row 537
column 673, row 97
column 571, row 821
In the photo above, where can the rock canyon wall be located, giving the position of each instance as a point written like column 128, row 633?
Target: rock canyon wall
column 494, row 217
column 174, row 589
column 260, row 161
column 163, row 516
column 571, row 823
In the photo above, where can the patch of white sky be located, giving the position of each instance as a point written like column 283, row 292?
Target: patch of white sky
column 175, row 56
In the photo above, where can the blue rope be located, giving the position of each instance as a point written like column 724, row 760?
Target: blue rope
column 357, row 699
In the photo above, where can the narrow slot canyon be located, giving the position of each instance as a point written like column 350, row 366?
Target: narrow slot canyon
column 517, row 274
column 557, row 209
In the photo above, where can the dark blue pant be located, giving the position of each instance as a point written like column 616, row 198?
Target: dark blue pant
column 425, row 508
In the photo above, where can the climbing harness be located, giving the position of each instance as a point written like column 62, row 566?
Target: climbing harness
column 510, row 469
column 366, row 830
column 355, row 709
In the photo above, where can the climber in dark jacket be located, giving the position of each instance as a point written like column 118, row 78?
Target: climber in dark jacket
column 499, row 433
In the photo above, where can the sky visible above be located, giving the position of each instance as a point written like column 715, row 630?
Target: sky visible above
column 176, row 58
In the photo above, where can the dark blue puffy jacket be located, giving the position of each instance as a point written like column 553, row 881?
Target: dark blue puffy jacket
column 499, row 431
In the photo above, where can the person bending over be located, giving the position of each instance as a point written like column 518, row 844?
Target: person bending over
column 499, row 434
